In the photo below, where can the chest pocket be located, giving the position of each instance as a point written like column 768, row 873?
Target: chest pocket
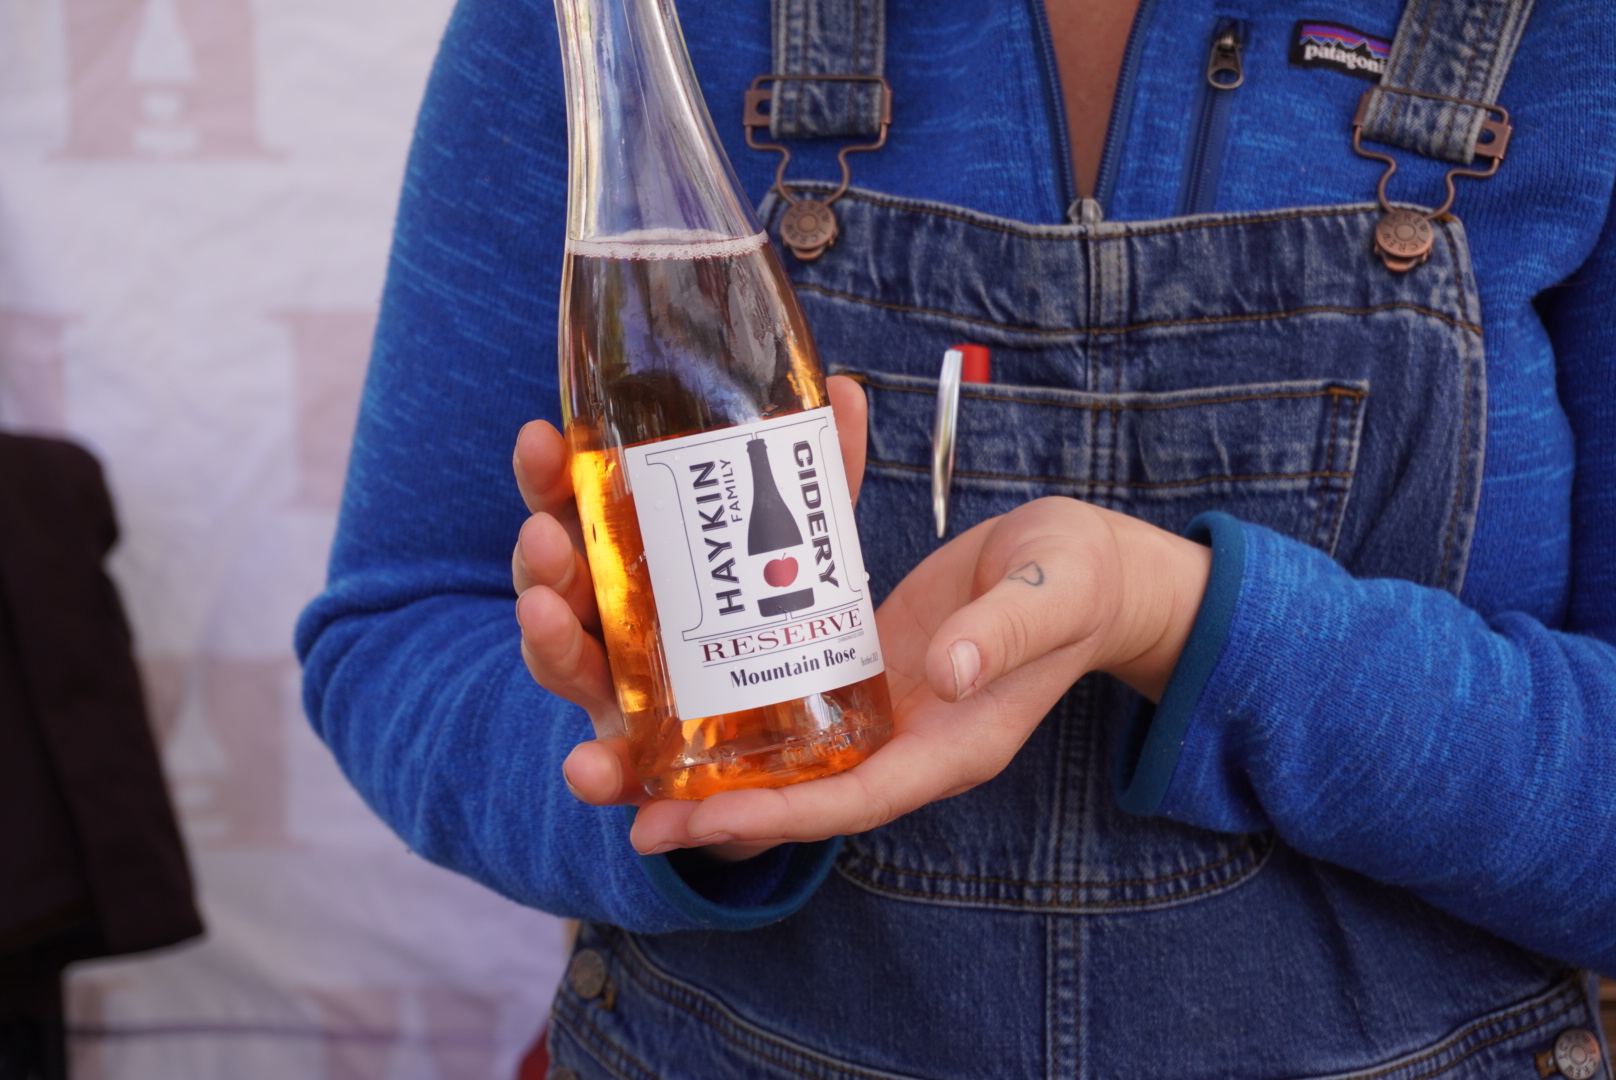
column 1339, row 408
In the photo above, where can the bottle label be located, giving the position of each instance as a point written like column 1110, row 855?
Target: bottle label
column 755, row 563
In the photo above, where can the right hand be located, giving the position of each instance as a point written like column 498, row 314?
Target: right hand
column 555, row 605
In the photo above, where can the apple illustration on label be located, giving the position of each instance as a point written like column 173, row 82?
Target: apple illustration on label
column 780, row 572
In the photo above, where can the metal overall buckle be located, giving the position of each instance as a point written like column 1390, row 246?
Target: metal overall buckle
column 808, row 226
column 1403, row 238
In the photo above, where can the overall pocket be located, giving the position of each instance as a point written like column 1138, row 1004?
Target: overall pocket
column 1275, row 454
column 1046, row 834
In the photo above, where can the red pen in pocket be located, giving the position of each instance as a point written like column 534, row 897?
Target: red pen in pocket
column 961, row 364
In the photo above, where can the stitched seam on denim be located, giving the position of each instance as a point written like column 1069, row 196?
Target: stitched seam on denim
column 788, row 94
column 858, row 43
column 1171, row 900
column 1466, row 89
column 1064, row 816
column 1257, row 845
column 1461, row 491
column 1206, row 320
column 780, row 11
column 1105, row 350
column 1052, row 1017
column 1458, row 1038
column 1138, row 485
column 1083, row 771
column 1158, row 230
column 1516, row 16
column 1095, row 771
column 876, row 378
column 1487, row 51
column 1326, row 494
column 1058, row 962
column 730, row 1027
column 1339, row 495
column 1469, row 1031
column 1505, row 1037
column 733, row 1035
column 1113, row 349
column 1329, row 464
column 1400, row 103
column 600, row 1041
column 1463, row 89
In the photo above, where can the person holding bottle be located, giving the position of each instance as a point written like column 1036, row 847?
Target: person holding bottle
column 1257, row 716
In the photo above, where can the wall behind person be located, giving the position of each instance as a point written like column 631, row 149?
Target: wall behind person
column 195, row 202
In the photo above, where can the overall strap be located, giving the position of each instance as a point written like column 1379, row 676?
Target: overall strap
column 1444, row 49
column 827, row 37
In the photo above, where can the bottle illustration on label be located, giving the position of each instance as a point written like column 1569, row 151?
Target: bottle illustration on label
column 773, row 529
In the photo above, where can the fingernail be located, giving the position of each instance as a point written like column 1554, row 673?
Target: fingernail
column 565, row 779
column 713, row 838
column 967, row 666
column 662, row 849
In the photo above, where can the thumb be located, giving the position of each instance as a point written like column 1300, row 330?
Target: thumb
column 848, row 403
column 1047, row 598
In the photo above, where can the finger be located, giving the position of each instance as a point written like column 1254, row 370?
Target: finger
column 663, row 818
column 1049, row 596
column 545, row 556
column 562, row 657
column 600, row 773
column 911, row 614
column 660, row 826
column 852, row 427
column 541, row 464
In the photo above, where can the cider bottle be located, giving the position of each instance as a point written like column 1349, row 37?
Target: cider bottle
column 733, row 599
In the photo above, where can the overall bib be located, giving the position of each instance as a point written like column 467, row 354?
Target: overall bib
column 1031, row 928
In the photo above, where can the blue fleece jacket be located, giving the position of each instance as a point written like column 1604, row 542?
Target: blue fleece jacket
column 1465, row 748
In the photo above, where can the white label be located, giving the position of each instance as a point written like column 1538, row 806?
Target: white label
column 755, row 563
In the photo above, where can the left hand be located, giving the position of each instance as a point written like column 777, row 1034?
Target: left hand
column 561, row 641
column 980, row 641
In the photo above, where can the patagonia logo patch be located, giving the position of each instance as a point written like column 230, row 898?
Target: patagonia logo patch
column 1340, row 48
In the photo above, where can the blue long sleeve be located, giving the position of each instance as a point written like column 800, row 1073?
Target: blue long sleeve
column 413, row 674
column 1388, row 728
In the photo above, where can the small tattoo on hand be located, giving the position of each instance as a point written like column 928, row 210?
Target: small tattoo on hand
column 1031, row 573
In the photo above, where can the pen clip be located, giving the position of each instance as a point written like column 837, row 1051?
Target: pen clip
column 942, row 436
column 961, row 364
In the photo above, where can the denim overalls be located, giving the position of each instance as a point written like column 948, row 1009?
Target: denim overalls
column 1030, row 927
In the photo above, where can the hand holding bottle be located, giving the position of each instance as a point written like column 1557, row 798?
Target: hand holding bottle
column 981, row 639
column 556, row 608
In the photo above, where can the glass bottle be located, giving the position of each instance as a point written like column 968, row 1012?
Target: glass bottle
column 734, row 606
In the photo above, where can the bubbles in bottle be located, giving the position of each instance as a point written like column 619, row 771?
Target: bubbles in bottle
column 666, row 245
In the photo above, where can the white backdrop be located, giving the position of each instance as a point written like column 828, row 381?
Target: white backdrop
column 195, row 202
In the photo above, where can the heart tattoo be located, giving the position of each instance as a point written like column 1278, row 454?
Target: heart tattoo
column 1031, row 573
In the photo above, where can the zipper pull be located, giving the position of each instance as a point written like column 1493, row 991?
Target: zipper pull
column 1223, row 68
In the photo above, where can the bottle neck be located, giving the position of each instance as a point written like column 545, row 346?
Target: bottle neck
column 646, row 163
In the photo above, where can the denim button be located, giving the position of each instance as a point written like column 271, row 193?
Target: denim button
column 561, row 1072
column 587, row 974
column 1576, row 1054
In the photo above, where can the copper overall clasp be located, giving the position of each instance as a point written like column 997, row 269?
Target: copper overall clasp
column 1403, row 238
column 808, row 226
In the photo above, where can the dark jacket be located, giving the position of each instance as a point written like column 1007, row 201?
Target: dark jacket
column 90, row 855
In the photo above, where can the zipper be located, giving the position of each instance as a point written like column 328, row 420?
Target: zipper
column 1056, row 101
column 1122, row 104
column 1225, row 72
